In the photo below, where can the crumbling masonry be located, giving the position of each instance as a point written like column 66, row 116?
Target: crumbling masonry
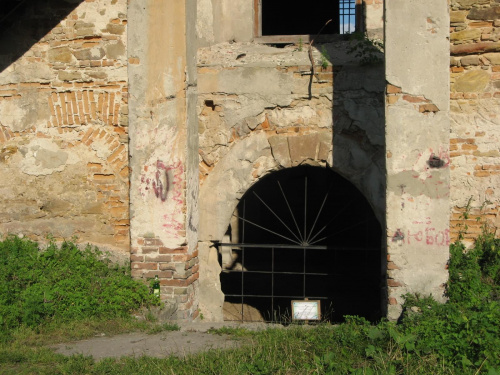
column 138, row 126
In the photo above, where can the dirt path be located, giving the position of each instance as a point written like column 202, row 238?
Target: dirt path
column 192, row 338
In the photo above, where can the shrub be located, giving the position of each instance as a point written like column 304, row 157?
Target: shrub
column 63, row 284
column 466, row 330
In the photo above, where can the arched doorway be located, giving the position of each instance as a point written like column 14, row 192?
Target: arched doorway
column 303, row 232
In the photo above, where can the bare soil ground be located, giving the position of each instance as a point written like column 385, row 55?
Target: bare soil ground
column 192, row 338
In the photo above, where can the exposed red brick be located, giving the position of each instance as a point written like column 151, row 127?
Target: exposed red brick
column 391, row 89
column 414, row 99
column 158, row 258
column 392, row 266
column 481, row 173
column 474, row 48
column 136, row 258
column 178, row 250
column 152, row 242
column 161, row 274
column 426, row 108
column 167, row 266
column 149, row 250
column 393, row 283
column 144, row 265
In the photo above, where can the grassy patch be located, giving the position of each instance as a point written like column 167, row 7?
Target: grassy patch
column 62, row 285
column 459, row 337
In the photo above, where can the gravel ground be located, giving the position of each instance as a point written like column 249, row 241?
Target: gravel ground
column 191, row 338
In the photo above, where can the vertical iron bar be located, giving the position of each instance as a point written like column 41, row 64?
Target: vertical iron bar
column 291, row 212
column 272, row 284
column 243, row 262
column 243, row 224
column 305, row 210
column 242, row 282
column 304, row 275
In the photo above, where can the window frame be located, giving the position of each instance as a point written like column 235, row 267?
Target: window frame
column 279, row 39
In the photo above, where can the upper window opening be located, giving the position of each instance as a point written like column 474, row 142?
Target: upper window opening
column 285, row 17
column 347, row 16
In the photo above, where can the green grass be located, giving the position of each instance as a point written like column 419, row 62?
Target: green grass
column 459, row 337
column 325, row 349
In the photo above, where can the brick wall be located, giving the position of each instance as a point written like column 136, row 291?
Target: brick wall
column 475, row 118
column 63, row 122
column 177, row 270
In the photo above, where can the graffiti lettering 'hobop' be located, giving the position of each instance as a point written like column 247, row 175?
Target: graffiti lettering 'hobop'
column 427, row 236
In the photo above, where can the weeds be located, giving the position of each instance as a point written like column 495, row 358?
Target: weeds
column 369, row 51
column 325, row 57
column 165, row 327
column 459, row 337
column 62, row 284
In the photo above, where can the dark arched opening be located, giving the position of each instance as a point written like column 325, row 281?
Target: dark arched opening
column 303, row 232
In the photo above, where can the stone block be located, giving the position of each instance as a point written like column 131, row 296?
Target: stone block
column 64, row 75
column 493, row 58
column 280, row 150
column 471, row 48
column 89, row 54
column 473, row 81
column 115, row 29
column 302, row 148
column 465, row 35
column 470, row 60
column 454, row 61
column 115, row 50
column 467, row 4
column 84, row 28
column 324, row 149
column 62, row 54
column 458, row 16
column 484, row 14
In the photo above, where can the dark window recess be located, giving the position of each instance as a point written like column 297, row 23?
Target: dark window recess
column 285, row 17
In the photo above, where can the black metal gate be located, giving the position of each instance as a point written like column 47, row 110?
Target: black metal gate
column 285, row 273
column 329, row 257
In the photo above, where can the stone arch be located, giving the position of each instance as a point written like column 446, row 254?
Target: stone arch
column 248, row 160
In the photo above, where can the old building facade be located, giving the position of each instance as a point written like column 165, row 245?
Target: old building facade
column 143, row 127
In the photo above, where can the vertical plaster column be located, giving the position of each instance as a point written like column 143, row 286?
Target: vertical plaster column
column 417, row 146
column 164, row 149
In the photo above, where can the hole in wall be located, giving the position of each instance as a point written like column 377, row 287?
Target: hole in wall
column 210, row 103
column 303, row 232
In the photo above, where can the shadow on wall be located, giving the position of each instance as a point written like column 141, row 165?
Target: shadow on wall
column 23, row 23
column 359, row 154
column 348, row 207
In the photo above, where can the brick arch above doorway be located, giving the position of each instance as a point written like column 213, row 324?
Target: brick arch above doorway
column 248, row 160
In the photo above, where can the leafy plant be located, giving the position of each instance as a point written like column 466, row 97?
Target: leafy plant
column 325, row 57
column 301, row 45
column 63, row 284
column 369, row 51
column 465, row 331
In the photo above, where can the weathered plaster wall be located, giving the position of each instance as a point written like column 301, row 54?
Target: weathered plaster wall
column 374, row 18
column 164, row 180
column 63, row 122
column 475, row 118
column 256, row 117
column 224, row 20
column 417, row 140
